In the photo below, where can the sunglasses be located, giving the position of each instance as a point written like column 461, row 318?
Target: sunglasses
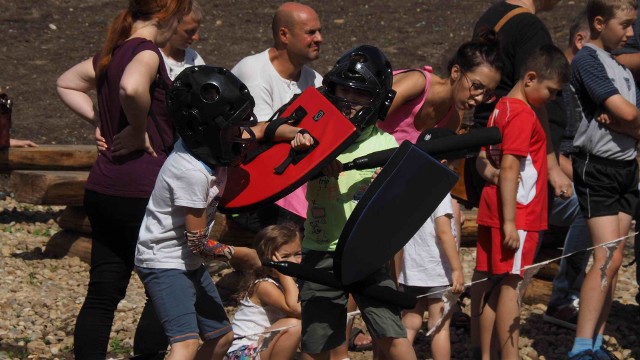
column 476, row 88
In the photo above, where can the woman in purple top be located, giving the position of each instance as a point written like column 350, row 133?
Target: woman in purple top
column 130, row 78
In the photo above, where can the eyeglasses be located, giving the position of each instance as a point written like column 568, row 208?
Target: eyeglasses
column 476, row 88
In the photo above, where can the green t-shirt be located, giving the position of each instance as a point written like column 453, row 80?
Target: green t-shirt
column 331, row 201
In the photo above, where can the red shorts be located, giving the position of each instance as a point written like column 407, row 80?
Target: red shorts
column 493, row 258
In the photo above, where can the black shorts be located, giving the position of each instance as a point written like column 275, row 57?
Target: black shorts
column 605, row 187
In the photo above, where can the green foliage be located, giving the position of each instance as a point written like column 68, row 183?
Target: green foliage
column 118, row 348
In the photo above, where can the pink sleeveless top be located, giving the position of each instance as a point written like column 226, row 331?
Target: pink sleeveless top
column 400, row 123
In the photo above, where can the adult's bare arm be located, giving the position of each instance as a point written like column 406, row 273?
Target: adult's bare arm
column 136, row 100
column 73, row 87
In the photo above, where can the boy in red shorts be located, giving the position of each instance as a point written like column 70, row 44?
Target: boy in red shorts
column 513, row 210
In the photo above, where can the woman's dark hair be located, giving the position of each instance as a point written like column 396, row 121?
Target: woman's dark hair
column 483, row 49
column 266, row 243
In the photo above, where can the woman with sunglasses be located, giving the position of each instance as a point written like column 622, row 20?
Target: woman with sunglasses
column 425, row 100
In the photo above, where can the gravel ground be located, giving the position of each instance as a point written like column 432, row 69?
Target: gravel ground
column 40, row 298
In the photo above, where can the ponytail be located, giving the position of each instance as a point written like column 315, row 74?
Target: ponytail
column 121, row 26
column 119, row 31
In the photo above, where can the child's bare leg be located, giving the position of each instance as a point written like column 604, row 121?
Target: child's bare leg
column 440, row 342
column 215, row 349
column 394, row 349
column 184, row 350
column 507, row 323
column 592, row 295
column 342, row 351
column 412, row 319
column 285, row 345
column 482, row 315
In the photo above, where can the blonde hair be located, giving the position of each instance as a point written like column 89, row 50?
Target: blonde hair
column 196, row 11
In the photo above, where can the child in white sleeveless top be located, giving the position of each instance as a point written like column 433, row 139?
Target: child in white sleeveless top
column 269, row 300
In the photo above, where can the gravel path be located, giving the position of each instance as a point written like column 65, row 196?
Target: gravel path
column 40, row 298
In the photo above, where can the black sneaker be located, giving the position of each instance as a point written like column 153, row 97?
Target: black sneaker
column 583, row 355
column 604, row 354
column 564, row 315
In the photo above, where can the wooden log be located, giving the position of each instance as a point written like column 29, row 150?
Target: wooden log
column 469, row 233
column 48, row 187
column 49, row 157
column 74, row 218
column 69, row 243
column 538, row 292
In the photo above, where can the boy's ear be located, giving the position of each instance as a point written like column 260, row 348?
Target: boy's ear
column 530, row 77
column 599, row 23
column 580, row 40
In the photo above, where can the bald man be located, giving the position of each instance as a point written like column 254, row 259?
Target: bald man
column 274, row 76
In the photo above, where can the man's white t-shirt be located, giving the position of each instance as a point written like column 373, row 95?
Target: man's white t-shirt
column 271, row 91
column 191, row 58
column 182, row 182
column 424, row 262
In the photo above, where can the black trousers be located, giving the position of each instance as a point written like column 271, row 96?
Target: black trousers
column 115, row 223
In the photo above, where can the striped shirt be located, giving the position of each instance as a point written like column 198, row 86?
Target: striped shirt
column 596, row 76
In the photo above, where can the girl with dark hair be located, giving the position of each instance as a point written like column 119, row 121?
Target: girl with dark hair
column 269, row 299
column 130, row 78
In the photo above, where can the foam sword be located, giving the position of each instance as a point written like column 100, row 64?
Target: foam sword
column 470, row 142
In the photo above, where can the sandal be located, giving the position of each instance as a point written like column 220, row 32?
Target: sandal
column 355, row 331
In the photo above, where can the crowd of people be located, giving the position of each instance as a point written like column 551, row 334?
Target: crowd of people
column 168, row 127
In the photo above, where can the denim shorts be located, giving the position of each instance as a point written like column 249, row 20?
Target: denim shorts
column 186, row 302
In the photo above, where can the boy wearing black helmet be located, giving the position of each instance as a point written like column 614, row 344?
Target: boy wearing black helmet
column 213, row 113
column 360, row 86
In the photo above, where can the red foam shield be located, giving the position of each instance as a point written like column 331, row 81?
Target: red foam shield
column 257, row 182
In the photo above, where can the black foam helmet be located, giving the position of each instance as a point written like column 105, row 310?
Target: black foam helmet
column 367, row 68
column 212, row 109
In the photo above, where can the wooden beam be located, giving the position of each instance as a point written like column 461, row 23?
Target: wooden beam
column 69, row 243
column 538, row 292
column 48, row 187
column 49, row 157
column 74, row 218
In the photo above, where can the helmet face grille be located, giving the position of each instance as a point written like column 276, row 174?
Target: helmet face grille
column 209, row 92
column 365, row 68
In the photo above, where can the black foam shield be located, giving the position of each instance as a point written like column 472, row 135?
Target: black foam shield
column 365, row 288
column 403, row 196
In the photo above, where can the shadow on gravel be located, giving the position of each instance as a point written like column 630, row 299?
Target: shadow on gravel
column 27, row 216
column 552, row 342
column 623, row 325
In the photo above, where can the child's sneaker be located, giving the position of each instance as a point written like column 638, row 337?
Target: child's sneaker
column 604, row 354
column 564, row 315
